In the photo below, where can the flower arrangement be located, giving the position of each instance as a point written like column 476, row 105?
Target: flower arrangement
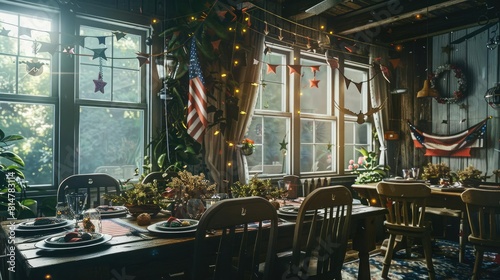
column 255, row 187
column 139, row 194
column 186, row 186
column 436, row 170
column 469, row 173
column 247, row 146
column 367, row 167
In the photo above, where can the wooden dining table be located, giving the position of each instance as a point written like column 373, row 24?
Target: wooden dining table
column 448, row 198
column 149, row 256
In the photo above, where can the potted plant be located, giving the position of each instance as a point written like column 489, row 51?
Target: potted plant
column 12, row 183
column 367, row 168
column 247, row 146
column 435, row 171
column 257, row 187
column 468, row 176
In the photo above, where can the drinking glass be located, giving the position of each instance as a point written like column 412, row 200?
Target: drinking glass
column 415, row 172
column 76, row 203
column 406, row 174
column 195, row 208
column 284, row 191
column 92, row 221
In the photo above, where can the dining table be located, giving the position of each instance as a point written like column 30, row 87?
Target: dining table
column 441, row 197
column 134, row 252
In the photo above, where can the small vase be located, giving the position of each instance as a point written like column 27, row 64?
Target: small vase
column 136, row 210
column 247, row 150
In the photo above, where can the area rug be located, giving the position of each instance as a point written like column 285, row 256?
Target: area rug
column 445, row 260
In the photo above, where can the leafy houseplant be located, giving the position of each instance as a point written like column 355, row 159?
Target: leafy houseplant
column 140, row 198
column 469, row 175
column 435, row 171
column 12, row 181
column 255, row 187
column 368, row 169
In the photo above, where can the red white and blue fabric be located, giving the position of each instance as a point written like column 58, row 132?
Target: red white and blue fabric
column 455, row 145
column 197, row 99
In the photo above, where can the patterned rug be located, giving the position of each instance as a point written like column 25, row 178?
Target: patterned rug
column 444, row 258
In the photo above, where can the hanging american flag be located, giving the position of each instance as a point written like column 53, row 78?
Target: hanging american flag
column 456, row 145
column 197, row 100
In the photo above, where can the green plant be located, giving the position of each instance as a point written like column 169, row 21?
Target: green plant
column 12, row 184
column 468, row 173
column 186, row 186
column 368, row 169
column 436, row 170
column 255, row 187
column 137, row 194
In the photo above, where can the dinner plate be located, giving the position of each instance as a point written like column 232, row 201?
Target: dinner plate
column 112, row 211
column 41, row 230
column 294, row 211
column 164, row 227
column 58, row 241
column 31, row 224
column 403, row 180
column 43, row 245
column 152, row 228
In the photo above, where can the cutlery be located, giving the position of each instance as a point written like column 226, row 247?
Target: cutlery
column 135, row 232
column 39, row 237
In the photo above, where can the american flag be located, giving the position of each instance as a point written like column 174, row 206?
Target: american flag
column 197, row 101
column 455, row 145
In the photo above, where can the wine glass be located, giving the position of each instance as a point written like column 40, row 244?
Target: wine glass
column 195, row 208
column 76, row 203
column 284, row 188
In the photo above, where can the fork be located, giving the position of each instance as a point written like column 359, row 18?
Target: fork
column 136, row 232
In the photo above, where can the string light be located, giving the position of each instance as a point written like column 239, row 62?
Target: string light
column 223, row 75
column 216, row 132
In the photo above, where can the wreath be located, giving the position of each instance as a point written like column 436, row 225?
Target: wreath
column 462, row 83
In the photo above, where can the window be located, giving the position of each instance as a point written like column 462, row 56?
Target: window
column 47, row 95
column 309, row 109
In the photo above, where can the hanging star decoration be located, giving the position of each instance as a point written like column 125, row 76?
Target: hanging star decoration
column 33, row 67
column 283, row 145
column 99, row 83
column 4, row 32
column 119, row 35
column 99, row 53
column 361, row 116
column 313, row 82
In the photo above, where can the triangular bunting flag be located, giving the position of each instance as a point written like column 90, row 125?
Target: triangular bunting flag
column 255, row 61
column 347, row 82
column 102, row 40
column 358, row 86
column 295, row 69
column 24, row 31
column 395, row 62
column 48, row 47
column 80, row 41
column 99, row 53
column 142, row 60
column 314, row 68
column 215, row 44
column 271, row 68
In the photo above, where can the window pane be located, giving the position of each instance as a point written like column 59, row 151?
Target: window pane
column 268, row 133
column 354, row 100
column 111, row 138
column 317, row 140
column 272, row 88
column 35, row 122
column 359, row 136
column 314, row 99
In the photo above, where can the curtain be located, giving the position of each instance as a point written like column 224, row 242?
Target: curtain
column 379, row 93
column 222, row 154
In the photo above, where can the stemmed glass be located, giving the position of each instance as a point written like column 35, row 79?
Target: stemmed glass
column 284, row 191
column 76, row 203
column 195, row 208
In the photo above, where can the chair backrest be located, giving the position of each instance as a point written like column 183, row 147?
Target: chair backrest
column 248, row 229
column 321, row 232
column 483, row 211
column 95, row 184
column 295, row 185
column 405, row 203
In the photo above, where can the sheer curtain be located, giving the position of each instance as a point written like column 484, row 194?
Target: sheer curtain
column 222, row 154
column 379, row 89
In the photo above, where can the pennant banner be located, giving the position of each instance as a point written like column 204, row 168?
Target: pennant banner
column 455, row 145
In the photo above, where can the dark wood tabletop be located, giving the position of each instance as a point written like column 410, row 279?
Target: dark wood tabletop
column 151, row 258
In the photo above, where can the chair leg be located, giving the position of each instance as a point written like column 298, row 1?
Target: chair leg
column 388, row 255
column 476, row 273
column 428, row 256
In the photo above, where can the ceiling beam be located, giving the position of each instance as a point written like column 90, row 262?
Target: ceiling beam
column 406, row 15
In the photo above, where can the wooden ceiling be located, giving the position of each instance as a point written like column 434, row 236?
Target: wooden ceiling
column 394, row 21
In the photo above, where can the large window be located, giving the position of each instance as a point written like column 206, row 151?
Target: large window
column 304, row 104
column 49, row 96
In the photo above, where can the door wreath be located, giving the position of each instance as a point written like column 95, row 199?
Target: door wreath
column 458, row 94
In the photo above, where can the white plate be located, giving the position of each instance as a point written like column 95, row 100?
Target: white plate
column 152, row 228
column 106, row 210
column 293, row 212
column 31, row 224
column 43, row 245
column 162, row 226
column 58, row 241
column 41, row 230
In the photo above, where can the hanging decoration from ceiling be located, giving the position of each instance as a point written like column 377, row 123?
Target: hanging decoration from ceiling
column 313, row 82
column 454, row 145
column 100, row 83
column 458, row 94
column 361, row 116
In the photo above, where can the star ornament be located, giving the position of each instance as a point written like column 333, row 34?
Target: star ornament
column 313, row 83
column 99, row 84
column 283, row 145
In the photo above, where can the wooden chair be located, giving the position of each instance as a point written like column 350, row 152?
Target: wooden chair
column 320, row 240
column 248, row 228
column 483, row 211
column 95, row 185
column 405, row 204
